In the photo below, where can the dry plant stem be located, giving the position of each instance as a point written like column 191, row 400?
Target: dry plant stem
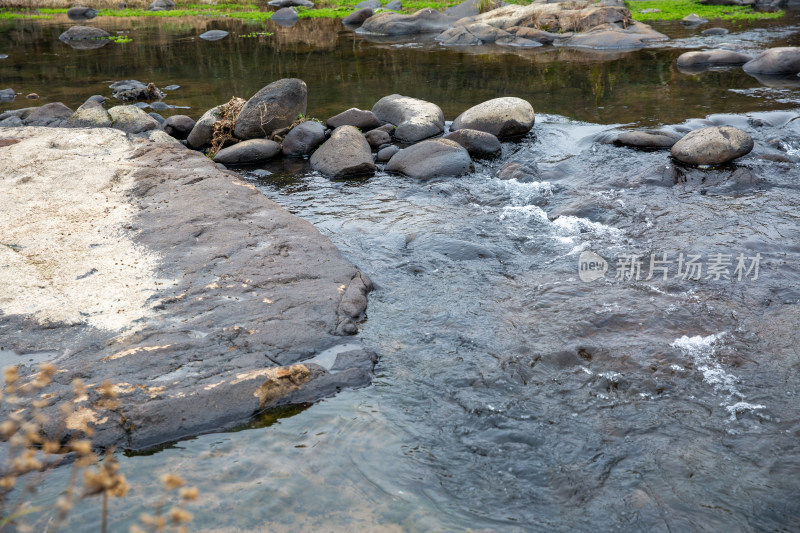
column 223, row 127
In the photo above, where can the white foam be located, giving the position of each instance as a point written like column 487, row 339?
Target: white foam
column 702, row 351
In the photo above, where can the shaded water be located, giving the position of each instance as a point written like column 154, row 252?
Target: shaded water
column 510, row 395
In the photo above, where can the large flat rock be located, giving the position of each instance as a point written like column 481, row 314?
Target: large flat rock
column 143, row 264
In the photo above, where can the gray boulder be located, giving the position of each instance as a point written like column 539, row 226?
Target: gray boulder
column 161, row 120
column 303, row 138
column 81, row 13
column 7, row 95
column 285, row 16
column 345, row 154
column 390, row 23
column 274, row 107
column 415, row 119
column 91, row 114
column 693, row 20
column 429, row 159
column 614, row 36
column 775, row 61
column 178, row 126
column 502, row 117
column 715, row 31
column 712, row 146
column 370, row 4
column 131, row 119
column 363, row 120
column 248, row 152
column 394, row 5
column 358, row 17
column 690, row 60
column 291, row 3
column 203, row 130
column 648, row 138
column 540, row 36
column 162, row 5
column 385, row 154
column 52, row 115
column 214, row 35
column 376, row 138
column 477, row 143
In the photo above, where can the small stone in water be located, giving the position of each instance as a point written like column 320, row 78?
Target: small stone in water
column 32, row 96
column 172, row 87
column 3, row 56
column 261, row 173
column 141, row 105
column 159, row 106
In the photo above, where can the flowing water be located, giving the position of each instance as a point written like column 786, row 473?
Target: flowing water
column 510, row 395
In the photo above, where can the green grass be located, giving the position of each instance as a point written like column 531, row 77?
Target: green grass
column 677, row 9
column 7, row 15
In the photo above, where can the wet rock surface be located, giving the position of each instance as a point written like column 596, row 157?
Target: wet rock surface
column 690, row 60
column 501, row 117
column 363, row 120
column 775, row 61
column 712, row 146
column 303, row 139
column 429, row 159
column 274, row 107
column 131, row 119
column 415, row 119
column 241, row 292
column 248, row 152
column 477, row 143
column 423, row 21
column 346, row 154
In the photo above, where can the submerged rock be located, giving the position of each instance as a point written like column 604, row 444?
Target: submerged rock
column 203, row 130
column 214, row 35
column 502, row 117
column 135, row 90
column 358, row 17
column 775, row 61
column 429, row 159
column 85, row 37
column 131, row 119
column 7, row 95
column 363, row 120
column 693, row 60
column 712, row 146
column 478, row 143
column 160, row 119
column 390, row 23
column 715, row 31
column 346, row 154
column 648, row 138
column 274, row 107
column 303, row 139
column 248, row 152
column 415, row 119
column 178, row 126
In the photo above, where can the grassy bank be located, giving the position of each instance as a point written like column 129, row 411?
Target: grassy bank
column 677, row 9
column 258, row 12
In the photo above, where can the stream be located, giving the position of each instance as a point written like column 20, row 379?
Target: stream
column 510, row 394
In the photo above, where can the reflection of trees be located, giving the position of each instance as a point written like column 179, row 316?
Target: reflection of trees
column 343, row 70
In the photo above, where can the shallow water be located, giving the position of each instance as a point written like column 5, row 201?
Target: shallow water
column 510, row 395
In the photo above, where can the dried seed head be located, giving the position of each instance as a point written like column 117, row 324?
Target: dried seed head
column 11, row 375
column 172, row 481
column 7, row 483
column 51, row 446
column 78, row 388
column 107, row 390
column 81, row 447
column 189, row 493
column 7, row 429
column 180, row 516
